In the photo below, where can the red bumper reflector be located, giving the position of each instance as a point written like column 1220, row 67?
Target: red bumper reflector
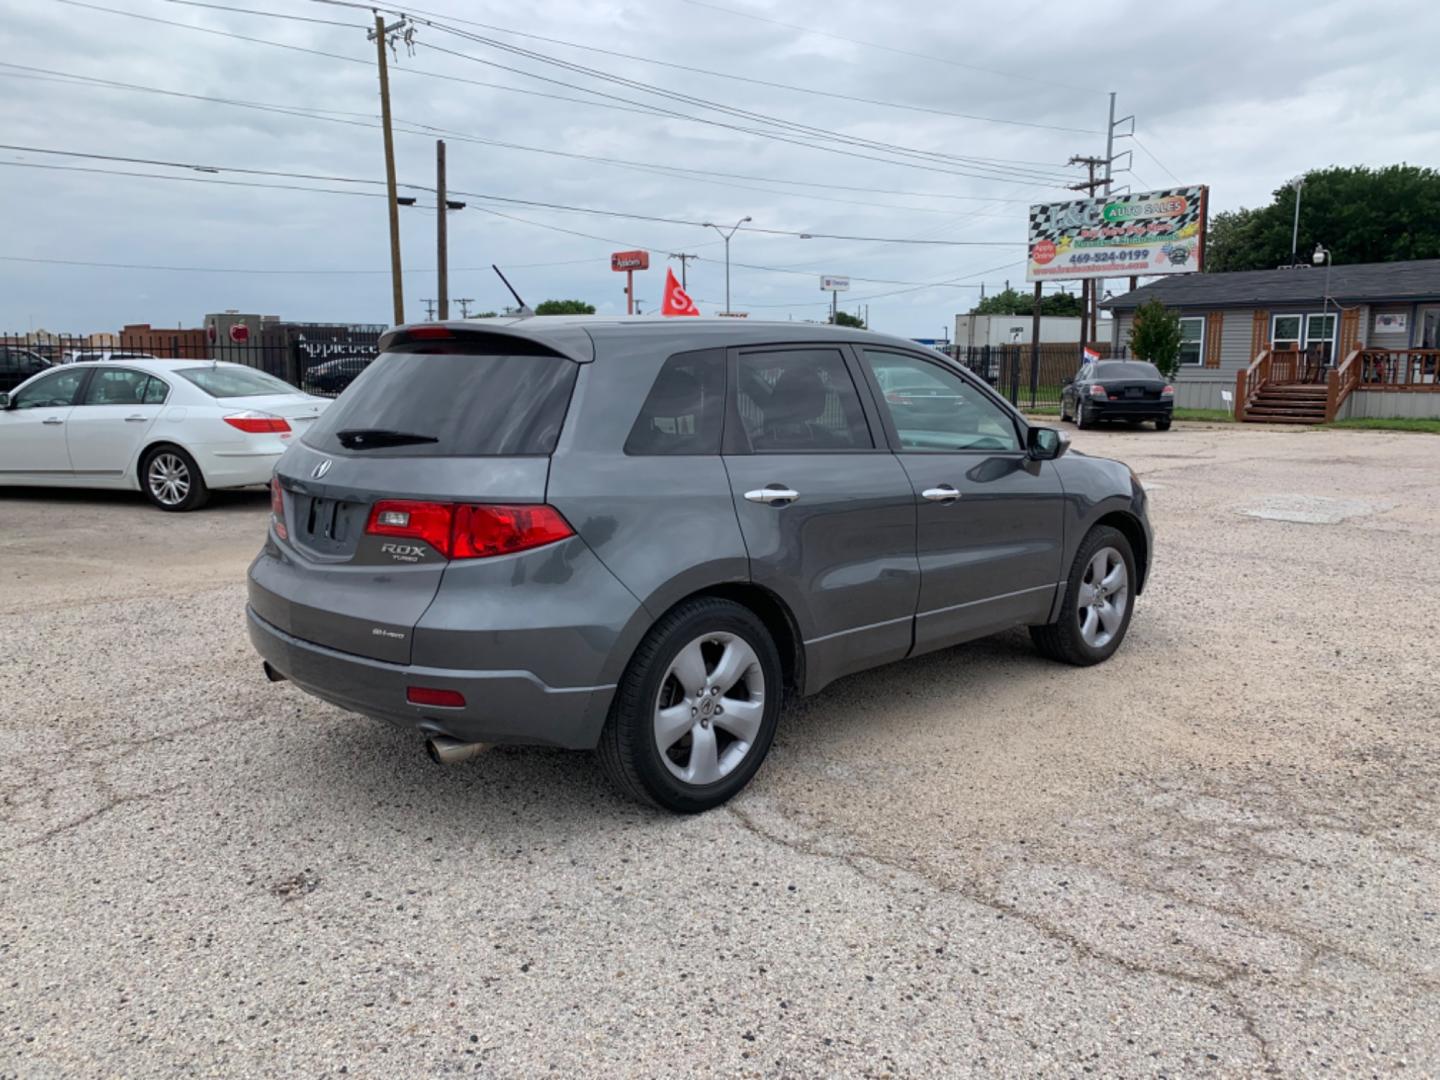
column 429, row 695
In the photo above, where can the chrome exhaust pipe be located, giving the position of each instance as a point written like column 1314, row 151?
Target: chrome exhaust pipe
column 444, row 750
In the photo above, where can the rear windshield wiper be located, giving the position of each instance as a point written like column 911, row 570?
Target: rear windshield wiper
column 368, row 438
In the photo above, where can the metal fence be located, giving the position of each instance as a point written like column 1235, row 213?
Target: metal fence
column 1030, row 378
column 319, row 360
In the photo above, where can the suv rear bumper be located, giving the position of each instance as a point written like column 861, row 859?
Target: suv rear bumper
column 501, row 706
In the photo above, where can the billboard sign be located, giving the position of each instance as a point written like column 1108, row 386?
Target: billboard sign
column 831, row 283
column 630, row 260
column 1153, row 232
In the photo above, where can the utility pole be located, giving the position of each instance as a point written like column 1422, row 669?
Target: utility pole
column 442, row 250
column 397, row 284
column 1089, row 311
column 429, row 302
column 464, row 302
column 684, row 262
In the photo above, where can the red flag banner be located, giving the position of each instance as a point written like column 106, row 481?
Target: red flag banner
column 676, row 302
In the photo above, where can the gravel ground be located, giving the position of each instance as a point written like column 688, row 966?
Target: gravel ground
column 1218, row 854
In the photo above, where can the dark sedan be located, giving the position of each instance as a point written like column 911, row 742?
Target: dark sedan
column 333, row 376
column 17, row 365
column 1130, row 390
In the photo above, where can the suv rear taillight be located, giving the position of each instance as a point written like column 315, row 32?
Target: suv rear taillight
column 469, row 531
column 277, row 508
column 258, row 423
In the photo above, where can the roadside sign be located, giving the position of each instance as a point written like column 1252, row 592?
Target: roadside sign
column 1148, row 233
column 239, row 333
column 831, row 283
column 630, row 260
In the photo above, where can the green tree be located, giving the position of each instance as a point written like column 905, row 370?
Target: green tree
column 1360, row 214
column 564, row 307
column 1011, row 302
column 1155, row 336
column 844, row 318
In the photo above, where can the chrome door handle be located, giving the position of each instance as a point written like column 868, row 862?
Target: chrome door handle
column 52, row 420
column 772, row 495
column 943, row 493
column 136, row 419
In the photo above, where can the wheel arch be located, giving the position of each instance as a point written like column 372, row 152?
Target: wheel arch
column 1129, row 526
column 154, row 443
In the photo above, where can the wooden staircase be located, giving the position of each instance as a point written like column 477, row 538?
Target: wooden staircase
column 1295, row 403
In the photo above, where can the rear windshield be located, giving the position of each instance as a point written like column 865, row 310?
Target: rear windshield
column 1126, row 369
column 460, row 404
column 221, row 382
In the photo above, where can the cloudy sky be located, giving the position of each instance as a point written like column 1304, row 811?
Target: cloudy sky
column 888, row 123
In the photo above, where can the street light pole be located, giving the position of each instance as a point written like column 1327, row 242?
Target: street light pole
column 1322, row 254
column 1297, row 184
column 726, row 236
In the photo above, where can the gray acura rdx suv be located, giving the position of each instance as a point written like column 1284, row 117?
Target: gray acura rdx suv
column 638, row 535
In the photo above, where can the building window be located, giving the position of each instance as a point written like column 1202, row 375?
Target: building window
column 1285, row 331
column 1320, row 334
column 1192, row 341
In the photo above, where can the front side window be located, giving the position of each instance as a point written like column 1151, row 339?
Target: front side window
column 50, row 391
column 116, row 387
column 936, row 409
column 1192, row 340
column 800, row 400
column 1285, row 331
column 233, row 382
column 685, row 408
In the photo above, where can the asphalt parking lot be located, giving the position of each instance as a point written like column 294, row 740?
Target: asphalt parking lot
column 1218, row 854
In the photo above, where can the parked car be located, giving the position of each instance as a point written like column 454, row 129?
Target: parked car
column 103, row 356
column 175, row 429
column 333, row 376
column 1130, row 390
column 638, row 536
column 17, row 365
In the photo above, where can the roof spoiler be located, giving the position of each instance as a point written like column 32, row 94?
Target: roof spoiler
column 528, row 336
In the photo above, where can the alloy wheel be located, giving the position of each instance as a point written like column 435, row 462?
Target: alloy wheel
column 169, row 479
column 710, row 708
column 1104, row 596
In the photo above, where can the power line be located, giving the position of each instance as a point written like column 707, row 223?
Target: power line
column 1153, row 158
column 762, row 230
column 284, row 271
column 337, row 116
column 740, row 78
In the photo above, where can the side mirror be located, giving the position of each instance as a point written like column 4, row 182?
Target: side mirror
column 1069, row 380
column 1046, row 444
column 4, row 401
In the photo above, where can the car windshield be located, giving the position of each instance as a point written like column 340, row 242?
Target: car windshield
column 462, row 404
column 228, row 382
column 1126, row 369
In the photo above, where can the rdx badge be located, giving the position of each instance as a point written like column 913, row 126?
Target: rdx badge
column 404, row 552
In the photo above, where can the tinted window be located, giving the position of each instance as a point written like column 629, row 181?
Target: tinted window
column 50, row 391
column 228, row 382
column 1126, row 369
column 470, row 405
column 120, row 387
column 800, row 399
column 683, row 412
column 936, row 409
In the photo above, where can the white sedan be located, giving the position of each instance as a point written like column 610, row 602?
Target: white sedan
column 174, row 429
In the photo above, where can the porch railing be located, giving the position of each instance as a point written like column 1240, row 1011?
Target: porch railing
column 1341, row 383
column 1248, row 381
column 1399, row 369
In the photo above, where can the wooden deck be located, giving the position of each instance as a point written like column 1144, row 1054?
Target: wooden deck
column 1294, row 387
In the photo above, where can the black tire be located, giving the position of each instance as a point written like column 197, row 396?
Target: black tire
column 1064, row 414
column 1083, row 419
column 196, row 494
column 1163, row 424
column 1062, row 639
column 628, row 750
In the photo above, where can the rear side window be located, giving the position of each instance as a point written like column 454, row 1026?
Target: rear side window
column 227, row 382
column 450, row 404
column 685, row 408
column 800, row 400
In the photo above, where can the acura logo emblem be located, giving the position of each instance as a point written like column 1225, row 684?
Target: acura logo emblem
column 318, row 473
